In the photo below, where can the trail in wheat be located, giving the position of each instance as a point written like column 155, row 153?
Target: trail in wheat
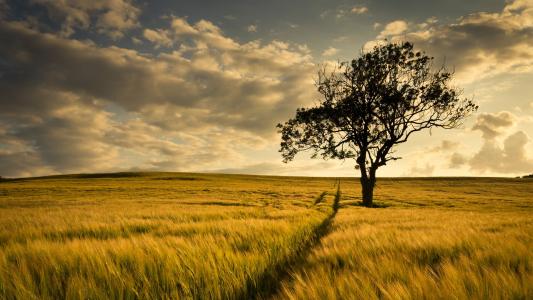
column 298, row 261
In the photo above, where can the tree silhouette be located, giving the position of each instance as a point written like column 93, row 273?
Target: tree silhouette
column 371, row 104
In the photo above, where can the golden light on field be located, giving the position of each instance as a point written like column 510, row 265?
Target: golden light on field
column 172, row 235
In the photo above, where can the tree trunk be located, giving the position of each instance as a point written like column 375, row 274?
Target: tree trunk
column 367, row 185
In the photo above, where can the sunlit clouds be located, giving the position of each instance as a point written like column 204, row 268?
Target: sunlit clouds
column 96, row 86
column 190, row 107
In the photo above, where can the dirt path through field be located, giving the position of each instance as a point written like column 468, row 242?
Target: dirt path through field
column 271, row 282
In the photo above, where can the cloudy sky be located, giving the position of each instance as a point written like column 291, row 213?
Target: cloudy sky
column 119, row 85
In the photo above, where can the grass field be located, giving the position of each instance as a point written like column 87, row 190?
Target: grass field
column 200, row 236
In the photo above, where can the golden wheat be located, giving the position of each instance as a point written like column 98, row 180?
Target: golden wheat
column 198, row 236
column 438, row 239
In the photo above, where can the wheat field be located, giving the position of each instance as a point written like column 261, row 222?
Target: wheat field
column 208, row 236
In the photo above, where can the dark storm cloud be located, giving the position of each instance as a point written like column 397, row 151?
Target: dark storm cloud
column 111, row 17
column 3, row 8
column 55, row 92
column 14, row 156
column 247, row 78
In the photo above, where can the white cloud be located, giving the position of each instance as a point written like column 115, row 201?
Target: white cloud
column 457, row 160
column 251, row 28
column 358, row 10
column 493, row 124
column 509, row 157
column 444, row 146
column 478, row 45
column 429, row 22
column 344, row 11
column 330, row 51
column 204, row 34
column 424, row 171
column 158, row 37
column 393, row 28
column 293, row 26
column 136, row 41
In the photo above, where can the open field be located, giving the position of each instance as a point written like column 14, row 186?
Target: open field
column 176, row 235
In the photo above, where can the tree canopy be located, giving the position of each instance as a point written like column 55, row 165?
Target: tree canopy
column 371, row 104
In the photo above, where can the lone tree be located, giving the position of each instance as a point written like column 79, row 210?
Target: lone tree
column 371, row 104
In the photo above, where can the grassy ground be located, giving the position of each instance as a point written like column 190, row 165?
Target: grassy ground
column 436, row 238
column 174, row 235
